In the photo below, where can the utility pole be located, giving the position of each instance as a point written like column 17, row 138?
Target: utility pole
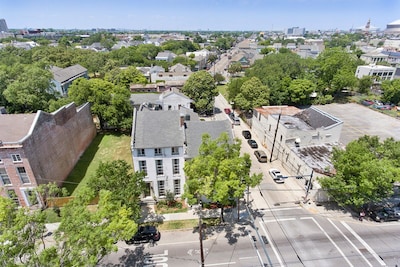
column 276, row 132
column 201, row 235
column 309, row 185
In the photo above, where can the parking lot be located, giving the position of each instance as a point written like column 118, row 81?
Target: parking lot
column 359, row 120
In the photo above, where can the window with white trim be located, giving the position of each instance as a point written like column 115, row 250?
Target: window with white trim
column 11, row 194
column 143, row 167
column 157, row 151
column 175, row 150
column 141, row 152
column 175, row 166
column 1, row 161
column 159, row 167
column 5, row 179
column 16, row 158
column 23, row 175
column 161, row 188
column 177, row 187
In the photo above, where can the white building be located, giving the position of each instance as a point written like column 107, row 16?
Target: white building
column 381, row 72
column 161, row 142
column 288, row 131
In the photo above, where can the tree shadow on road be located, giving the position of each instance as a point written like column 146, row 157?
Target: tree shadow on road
column 131, row 257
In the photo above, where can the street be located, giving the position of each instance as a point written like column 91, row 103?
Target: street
column 276, row 228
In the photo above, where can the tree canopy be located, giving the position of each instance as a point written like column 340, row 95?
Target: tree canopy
column 365, row 171
column 117, row 177
column 201, row 88
column 218, row 174
column 108, row 101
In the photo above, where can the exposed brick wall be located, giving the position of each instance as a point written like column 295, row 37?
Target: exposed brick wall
column 57, row 142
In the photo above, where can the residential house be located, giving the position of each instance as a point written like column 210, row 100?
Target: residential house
column 241, row 58
column 63, row 78
column 171, row 99
column 41, row 147
column 162, row 140
column 165, row 56
column 201, row 58
column 175, row 77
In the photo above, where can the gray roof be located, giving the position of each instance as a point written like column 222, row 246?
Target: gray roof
column 62, row 75
column 138, row 99
column 196, row 129
column 17, row 125
column 317, row 118
column 157, row 129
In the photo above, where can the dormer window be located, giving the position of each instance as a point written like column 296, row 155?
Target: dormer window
column 175, row 150
column 141, row 152
column 158, row 151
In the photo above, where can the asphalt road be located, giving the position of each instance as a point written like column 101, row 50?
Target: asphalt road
column 279, row 229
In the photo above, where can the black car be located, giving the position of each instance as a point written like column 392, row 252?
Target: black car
column 252, row 143
column 384, row 215
column 246, row 134
column 144, row 234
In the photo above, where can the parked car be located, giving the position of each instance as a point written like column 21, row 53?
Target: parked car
column 235, row 121
column 384, row 215
column 252, row 143
column 145, row 234
column 246, row 134
column 367, row 102
column 277, row 176
column 261, row 156
column 227, row 111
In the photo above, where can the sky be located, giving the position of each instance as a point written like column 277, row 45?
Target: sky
column 191, row 15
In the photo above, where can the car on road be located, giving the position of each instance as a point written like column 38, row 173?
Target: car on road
column 146, row 233
column 246, row 134
column 261, row 156
column 227, row 111
column 252, row 143
column 277, row 176
column 384, row 215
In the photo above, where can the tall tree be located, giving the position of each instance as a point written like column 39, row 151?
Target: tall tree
column 218, row 173
column 365, row 172
column 252, row 94
column 201, row 88
column 108, row 101
column 117, row 177
column 31, row 91
column 299, row 91
column 125, row 77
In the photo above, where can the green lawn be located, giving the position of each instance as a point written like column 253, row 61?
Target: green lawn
column 222, row 89
column 105, row 147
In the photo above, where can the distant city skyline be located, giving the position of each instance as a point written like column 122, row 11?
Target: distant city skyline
column 213, row 15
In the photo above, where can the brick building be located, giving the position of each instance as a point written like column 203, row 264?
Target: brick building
column 41, row 147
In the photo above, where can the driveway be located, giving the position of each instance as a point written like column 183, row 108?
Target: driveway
column 359, row 120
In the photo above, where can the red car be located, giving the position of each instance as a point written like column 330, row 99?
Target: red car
column 227, row 111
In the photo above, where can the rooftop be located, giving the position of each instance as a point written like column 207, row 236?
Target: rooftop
column 15, row 126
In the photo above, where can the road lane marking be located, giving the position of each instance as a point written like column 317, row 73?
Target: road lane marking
column 278, row 209
column 373, row 253
column 279, row 220
column 254, row 247
column 247, row 258
column 333, row 242
column 352, row 244
column 272, row 244
column 222, row 263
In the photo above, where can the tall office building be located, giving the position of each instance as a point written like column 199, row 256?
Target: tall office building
column 3, row 25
